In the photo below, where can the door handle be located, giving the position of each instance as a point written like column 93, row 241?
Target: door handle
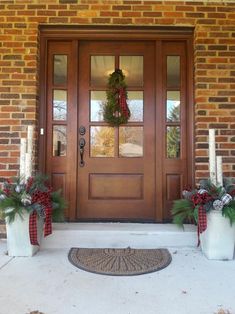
column 82, row 144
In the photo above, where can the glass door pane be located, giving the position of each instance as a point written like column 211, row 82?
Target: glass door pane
column 101, row 68
column 133, row 69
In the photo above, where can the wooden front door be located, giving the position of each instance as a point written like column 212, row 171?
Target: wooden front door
column 132, row 172
column 117, row 181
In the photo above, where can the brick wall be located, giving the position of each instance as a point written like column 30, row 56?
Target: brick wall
column 214, row 48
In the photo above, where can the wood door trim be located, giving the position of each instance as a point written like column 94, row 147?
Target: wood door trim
column 73, row 125
column 158, row 130
column 42, row 121
column 190, row 114
column 157, row 34
column 94, row 31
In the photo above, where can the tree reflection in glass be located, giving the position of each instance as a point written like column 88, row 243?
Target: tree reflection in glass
column 59, row 140
column 101, row 141
column 97, row 100
column 173, row 142
column 131, row 141
column 59, row 104
column 173, row 106
column 135, row 104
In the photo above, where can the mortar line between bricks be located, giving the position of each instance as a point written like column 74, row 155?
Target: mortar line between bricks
column 6, row 263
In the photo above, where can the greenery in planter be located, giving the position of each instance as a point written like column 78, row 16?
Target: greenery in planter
column 207, row 197
column 34, row 195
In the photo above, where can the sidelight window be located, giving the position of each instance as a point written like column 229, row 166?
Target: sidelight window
column 172, row 108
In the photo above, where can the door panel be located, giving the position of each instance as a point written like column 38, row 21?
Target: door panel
column 117, row 180
column 114, row 186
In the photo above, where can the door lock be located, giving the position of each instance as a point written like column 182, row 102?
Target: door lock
column 82, row 130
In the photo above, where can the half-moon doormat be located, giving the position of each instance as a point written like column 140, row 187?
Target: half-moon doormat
column 120, row 262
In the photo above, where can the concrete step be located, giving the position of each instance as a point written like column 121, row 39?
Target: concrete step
column 114, row 235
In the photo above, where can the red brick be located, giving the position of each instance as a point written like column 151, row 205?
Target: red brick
column 173, row 14
column 143, row 20
column 110, row 13
column 121, row 7
column 186, row 8
column 142, row 8
column 131, row 14
column 67, row 13
column 122, row 21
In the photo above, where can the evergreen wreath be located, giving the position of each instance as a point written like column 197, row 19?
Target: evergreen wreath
column 115, row 109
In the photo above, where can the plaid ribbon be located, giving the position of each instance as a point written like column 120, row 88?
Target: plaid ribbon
column 33, row 234
column 201, row 199
column 202, row 222
column 48, row 220
column 42, row 198
column 122, row 103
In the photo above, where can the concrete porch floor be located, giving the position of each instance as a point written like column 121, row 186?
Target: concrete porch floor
column 48, row 283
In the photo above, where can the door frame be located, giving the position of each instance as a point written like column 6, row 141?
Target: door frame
column 74, row 34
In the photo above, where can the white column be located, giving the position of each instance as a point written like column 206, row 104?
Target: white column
column 212, row 158
column 22, row 157
column 219, row 170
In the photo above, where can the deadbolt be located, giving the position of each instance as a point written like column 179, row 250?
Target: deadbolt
column 82, row 130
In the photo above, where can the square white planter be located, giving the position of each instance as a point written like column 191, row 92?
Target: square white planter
column 218, row 240
column 18, row 241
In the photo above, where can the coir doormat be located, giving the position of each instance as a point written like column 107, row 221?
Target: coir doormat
column 120, row 262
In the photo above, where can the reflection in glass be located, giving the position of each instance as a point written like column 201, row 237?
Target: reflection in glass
column 101, row 68
column 101, row 141
column 173, row 71
column 97, row 100
column 132, row 67
column 131, row 141
column 59, row 104
column 173, row 142
column 173, row 106
column 135, row 104
column 59, row 140
column 60, row 69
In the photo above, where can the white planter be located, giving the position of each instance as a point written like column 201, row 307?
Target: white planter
column 18, row 241
column 218, row 241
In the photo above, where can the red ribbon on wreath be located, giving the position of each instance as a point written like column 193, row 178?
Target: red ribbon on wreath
column 42, row 198
column 123, row 103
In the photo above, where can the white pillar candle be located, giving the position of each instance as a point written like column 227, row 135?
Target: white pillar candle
column 219, row 170
column 22, row 157
column 28, row 165
column 212, row 158
column 29, row 155
column 30, row 139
